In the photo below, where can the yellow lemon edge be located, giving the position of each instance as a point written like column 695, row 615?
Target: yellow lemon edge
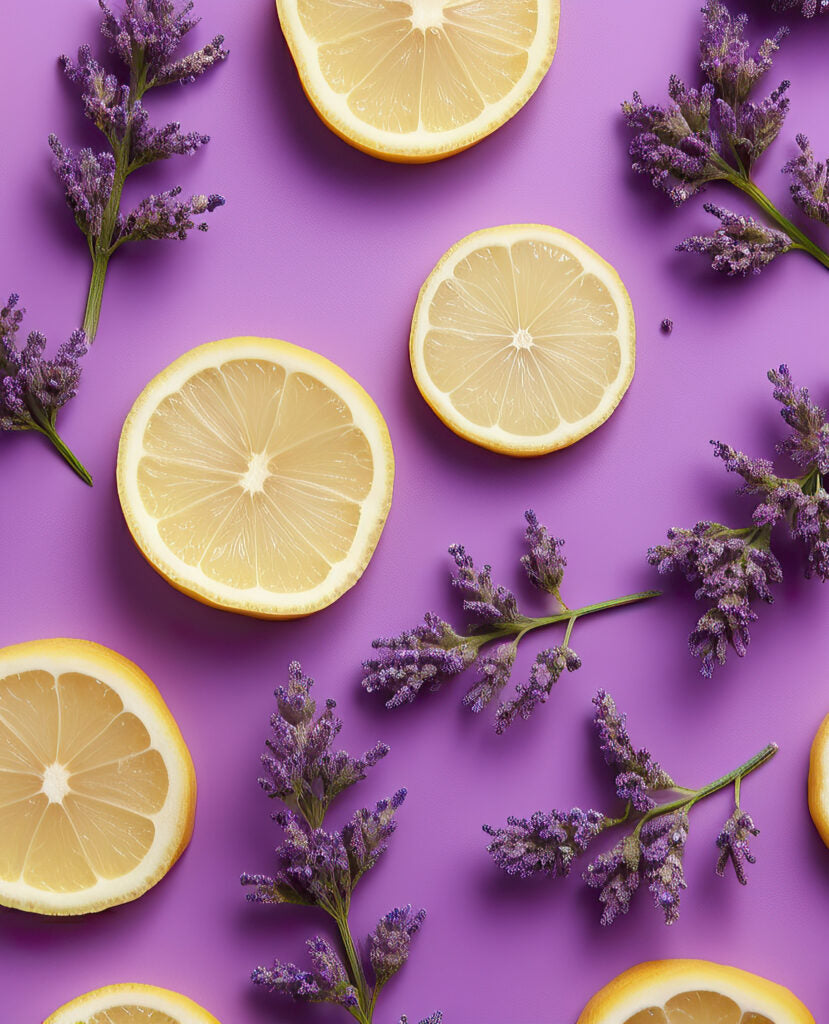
column 480, row 437
column 818, row 764
column 135, row 992
column 674, row 976
column 421, row 154
column 271, row 348
column 86, row 655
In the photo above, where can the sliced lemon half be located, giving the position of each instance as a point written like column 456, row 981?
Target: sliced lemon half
column 131, row 1004
column 419, row 80
column 97, row 789
column 819, row 781
column 693, row 992
column 256, row 476
column 523, row 339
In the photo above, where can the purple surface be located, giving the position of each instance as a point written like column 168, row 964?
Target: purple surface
column 327, row 248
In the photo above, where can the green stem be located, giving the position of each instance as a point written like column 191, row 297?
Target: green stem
column 92, row 314
column 687, row 802
column 45, row 424
column 800, row 240
column 355, row 968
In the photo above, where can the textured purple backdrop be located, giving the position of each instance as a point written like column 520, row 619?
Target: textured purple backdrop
column 327, row 248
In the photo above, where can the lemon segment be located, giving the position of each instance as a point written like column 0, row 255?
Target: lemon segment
column 97, row 789
column 131, row 1004
column 693, row 992
column 819, row 781
column 418, row 80
column 256, row 476
column 523, row 339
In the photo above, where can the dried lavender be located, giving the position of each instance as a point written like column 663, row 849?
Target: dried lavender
column 32, row 387
column 318, row 868
column 733, row 568
column 656, row 816
column 145, row 38
column 808, row 8
column 717, row 133
column 432, row 653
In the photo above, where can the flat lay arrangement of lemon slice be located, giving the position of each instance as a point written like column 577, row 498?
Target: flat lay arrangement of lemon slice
column 131, row 1004
column 256, row 476
column 419, row 80
column 97, row 790
column 819, row 781
column 693, row 992
column 523, row 339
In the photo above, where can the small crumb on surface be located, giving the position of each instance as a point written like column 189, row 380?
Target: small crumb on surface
column 666, row 326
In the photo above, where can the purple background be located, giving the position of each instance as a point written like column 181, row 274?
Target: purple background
column 326, row 247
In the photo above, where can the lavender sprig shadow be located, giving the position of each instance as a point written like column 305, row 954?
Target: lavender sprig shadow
column 717, row 133
column 432, row 653
column 32, row 387
column 321, row 869
column 145, row 38
column 733, row 567
column 655, row 820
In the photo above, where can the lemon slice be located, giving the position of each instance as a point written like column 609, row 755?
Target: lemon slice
column 256, row 476
column 523, row 339
column 131, row 1004
column 97, row 790
column 819, row 781
column 693, row 992
column 419, row 80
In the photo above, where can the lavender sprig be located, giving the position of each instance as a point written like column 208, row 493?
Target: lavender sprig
column 318, row 868
column 432, row 653
column 548, row 843
column 808, row 8
column 718, row 133
column 145, row 38
column 732, row 568
column 32, row 387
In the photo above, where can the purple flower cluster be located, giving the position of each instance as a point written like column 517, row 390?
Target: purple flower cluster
column 652, row 851
column 301, row 769
column 145, row 36
column 733, row 567
column 547, row 843
column 320, row 868
column 32, row 387
column 637, row 773
column 434, row 652
column 717, row 133
column 809, row 182
column 389, row 942
column 326, row 982
column 741, row 246
column 808, row 8
column 733, row 844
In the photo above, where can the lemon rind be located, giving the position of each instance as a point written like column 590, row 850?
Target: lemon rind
column 147, row 997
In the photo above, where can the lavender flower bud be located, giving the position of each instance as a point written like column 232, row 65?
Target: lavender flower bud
column 301, row 769
column 326, row 983
column 808, row 8
column 390, row 940
column 167, row 216
column 637, row 772
column 435, row 1018
column 545, row 844
column 741, row 246
column 366, row 836
column 495, row 672
column 733, row 844
column 724, row 53
column 148, row 32
column 663, row 844
column 616, row 875
column 33, row 388
column 428, row 655
column 106, row 101
column 188, row 69
column 545, row 561
column 809, row 443
column 489, row 605
column 731, row 570
column 545, row 673
column 87, row 180
column 148, row 144
column 809, row 178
